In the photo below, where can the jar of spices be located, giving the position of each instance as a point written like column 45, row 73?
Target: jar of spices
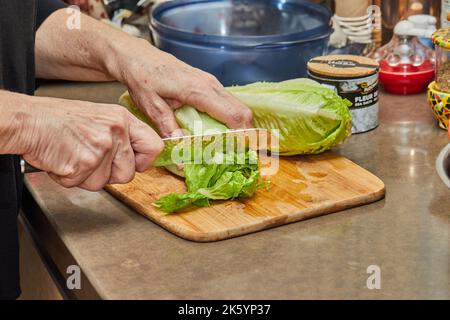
column 354, row 78
column 441, row 40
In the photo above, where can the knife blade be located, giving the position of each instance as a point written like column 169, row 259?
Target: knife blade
column 194, row 148
column 254, row 139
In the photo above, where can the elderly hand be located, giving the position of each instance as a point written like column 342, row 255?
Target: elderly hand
column 79, row 143
column 159, row 83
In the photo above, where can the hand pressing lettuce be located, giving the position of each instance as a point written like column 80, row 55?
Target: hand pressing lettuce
column 309, row 119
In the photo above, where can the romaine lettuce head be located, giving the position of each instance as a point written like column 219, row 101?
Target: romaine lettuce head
column 309, row 117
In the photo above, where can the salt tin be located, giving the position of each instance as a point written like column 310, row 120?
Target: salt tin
column 354, row 78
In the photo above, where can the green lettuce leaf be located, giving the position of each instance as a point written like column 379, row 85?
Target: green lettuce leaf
column 215, row 181
column 187, row 116
column 309, row 117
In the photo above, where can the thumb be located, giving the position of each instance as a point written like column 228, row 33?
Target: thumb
column 146, row 143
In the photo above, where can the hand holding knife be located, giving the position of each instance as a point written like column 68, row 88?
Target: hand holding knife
column 253, row 138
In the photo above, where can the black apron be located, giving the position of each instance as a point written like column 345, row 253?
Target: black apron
column 18, row 22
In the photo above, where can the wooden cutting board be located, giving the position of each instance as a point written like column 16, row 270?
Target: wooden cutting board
column 304, row 187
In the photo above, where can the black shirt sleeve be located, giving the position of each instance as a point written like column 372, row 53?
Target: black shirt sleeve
column 46, row 8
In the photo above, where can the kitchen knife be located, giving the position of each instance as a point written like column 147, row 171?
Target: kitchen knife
column 254, row 139
column 195, row 148
column 25, row 167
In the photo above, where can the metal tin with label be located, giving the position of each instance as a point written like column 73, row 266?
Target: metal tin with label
column 354, row 78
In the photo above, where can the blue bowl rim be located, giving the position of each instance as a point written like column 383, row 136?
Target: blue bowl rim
column 240, row 41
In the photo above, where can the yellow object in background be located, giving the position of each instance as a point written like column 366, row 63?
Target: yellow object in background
column 440, row 105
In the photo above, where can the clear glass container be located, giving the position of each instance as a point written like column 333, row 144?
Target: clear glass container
column 406, row 51
column 406, row 65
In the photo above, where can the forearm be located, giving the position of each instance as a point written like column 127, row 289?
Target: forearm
column 85, row 54
column 157, row 81
column 15, row 117
column 78, row 143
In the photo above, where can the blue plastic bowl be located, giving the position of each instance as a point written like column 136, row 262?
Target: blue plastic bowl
column 243, row 41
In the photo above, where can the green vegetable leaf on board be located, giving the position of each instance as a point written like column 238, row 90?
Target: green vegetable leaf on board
column 219, row 181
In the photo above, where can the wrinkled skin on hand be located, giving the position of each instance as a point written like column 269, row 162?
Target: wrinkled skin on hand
column 159, row 83
column 87, row 145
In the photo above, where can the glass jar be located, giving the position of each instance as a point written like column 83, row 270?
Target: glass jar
column 441, row 40
column 406, row 65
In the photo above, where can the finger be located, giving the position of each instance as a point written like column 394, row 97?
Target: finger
column 59, row 180
column 55, row 165
column 92, row 178
column 69, row 182
column 160, row 113
column 221, row 105
column 179, row 133
column 100, row 176
column 146, row 143
column 173, row 104
column 73, row 176
column 123, row 165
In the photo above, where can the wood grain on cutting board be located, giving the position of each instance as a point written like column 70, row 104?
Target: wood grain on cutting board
column 304, row 187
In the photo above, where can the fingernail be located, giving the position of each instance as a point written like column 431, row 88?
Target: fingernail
column 178, row 133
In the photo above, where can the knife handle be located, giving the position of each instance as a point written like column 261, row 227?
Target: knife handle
column 25, row 167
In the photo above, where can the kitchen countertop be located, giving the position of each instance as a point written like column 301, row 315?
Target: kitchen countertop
column 124, row 256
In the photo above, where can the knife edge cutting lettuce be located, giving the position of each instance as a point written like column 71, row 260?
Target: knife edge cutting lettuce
column 309, row 117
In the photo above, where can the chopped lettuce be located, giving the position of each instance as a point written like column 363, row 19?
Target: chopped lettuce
column 216, row 181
